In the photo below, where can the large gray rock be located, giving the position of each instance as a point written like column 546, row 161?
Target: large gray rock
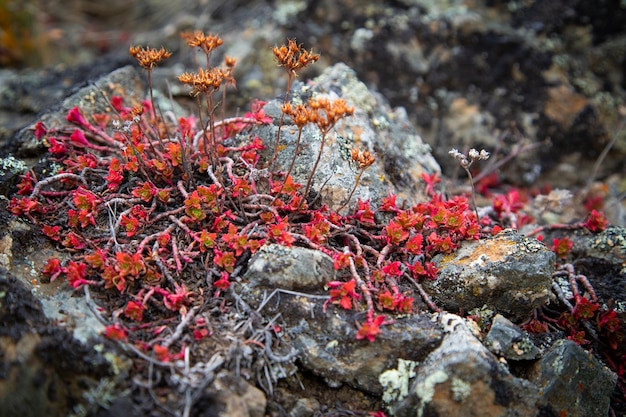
column 462, row 378
column 325, row 336
column 401, row 154
column 509, row 273
column 572, row 382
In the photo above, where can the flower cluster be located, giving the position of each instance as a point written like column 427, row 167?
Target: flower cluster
column 160, row 214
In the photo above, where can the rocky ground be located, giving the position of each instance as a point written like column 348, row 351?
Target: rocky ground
column 540, row 85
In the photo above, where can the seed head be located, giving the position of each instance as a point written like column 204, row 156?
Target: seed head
column 148, row 57
column 207, row 43
column 292, row 57
column 364, row 159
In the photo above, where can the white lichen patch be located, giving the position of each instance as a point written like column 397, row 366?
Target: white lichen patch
column 460, row 389
column 395, row 382
column 425, row 390
column 11, row 164
column 6, row 255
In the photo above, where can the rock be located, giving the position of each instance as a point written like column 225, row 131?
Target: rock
column 462, row 378
column 94, row 98
column 401, row 154
column 326, row 340
column 305, row 407
column 329, row 348
column 45, row 371
column 509, row 273
column 289, row 268
column 601, row 258
column 608, row 245
column 507, row 340
column 572, row 382
column 231, row 396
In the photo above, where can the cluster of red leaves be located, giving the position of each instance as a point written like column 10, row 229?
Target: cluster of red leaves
column 137, row 210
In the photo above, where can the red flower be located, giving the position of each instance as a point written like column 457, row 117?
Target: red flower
column 393, row 269
column 609, row 321
column 364, row 212
column 130, row 225
column 386, row 301
column 115, row 332
column 562, row 247
column 75, row 274
column 584, row 308
column 74, row 116
column 117, row 102
column 78, row 138
column 370, row 329
column 596, row 222
column 414, row 244
column 225, row 260
column 40, row 130
column 97, row 259
column 52, row 232
column 535, row 326
column 278, row 232
column 427, row 270
column 130, row 265
column 134, row 311
column 439, row 244
column 241, row 188
column 162, row 353
column 431, row 181
column 344, row 292
column 146, row 191
column 509, row 203
column 177, row 300
column 26, row 185
column 223, row 282
column 389, row 204
column 73, row 241
column 341, row 260
column 206, row 240
column 56, row 147
column 396, row 233
column 52, row 269
column 258, row 113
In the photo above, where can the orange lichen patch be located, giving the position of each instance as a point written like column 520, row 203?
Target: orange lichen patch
column 480, row 400
column 563, row 105
column 492, row 250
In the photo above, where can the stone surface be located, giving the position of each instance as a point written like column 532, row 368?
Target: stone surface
column 231, row 396
column 572, row 382
column 509, row 273
column 325, row 336
column 401, row 154
column 44, row 370
column 289, row 268
column 462, row 378
column 507, row 340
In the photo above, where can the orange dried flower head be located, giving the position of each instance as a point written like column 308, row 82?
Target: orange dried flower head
column 230, row 62
column 148, row 57
column 300, row 114
column 364, row 159
column 207, row 43
column 203, row 81
column 292, row 57
column 327, row 113
column 136, row 111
